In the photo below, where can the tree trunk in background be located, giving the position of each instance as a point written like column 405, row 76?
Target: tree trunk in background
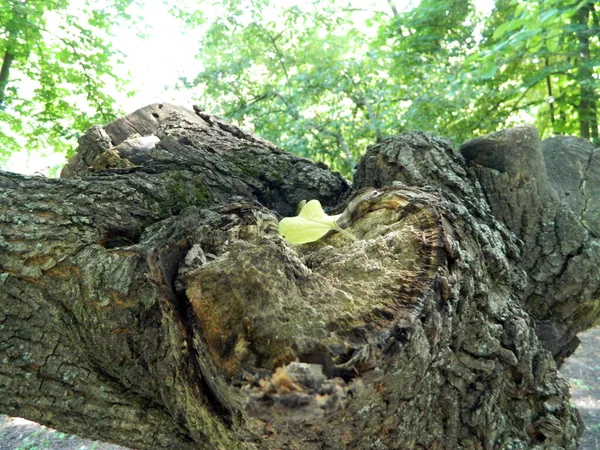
column 147, row 299
column 4, row 73
column 587, row 109
column 13, row 30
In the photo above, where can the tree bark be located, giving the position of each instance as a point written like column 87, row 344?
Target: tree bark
column 147, row 299
column 559, row 242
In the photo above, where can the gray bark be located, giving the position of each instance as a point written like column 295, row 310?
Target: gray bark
column 148, row 299
column 560, row 247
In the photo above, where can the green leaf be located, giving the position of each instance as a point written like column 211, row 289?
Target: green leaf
column 507, row 27
column 309, row 226
column 547, row 15
column 488, row 72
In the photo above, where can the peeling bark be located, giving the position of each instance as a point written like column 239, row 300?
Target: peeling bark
column 148, row 300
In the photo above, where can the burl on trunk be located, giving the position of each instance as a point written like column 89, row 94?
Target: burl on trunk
column 147, row 298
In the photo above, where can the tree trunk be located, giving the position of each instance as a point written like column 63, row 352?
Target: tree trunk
column 4, row 74
column 587, row 108
column 147, row 298
column 12, row 43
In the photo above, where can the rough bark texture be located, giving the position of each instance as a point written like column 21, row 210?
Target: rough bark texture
column 560, row 249
column 148, row 300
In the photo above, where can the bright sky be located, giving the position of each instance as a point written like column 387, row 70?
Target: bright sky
column 157, row 62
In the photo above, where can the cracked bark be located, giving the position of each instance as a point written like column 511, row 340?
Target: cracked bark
column 547, row 195
column 153, row 304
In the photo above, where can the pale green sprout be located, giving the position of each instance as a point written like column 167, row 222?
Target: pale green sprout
column 310, row 225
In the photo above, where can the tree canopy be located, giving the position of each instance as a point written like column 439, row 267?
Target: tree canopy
column 56, row 72
column 321, row 79
column 327, row 79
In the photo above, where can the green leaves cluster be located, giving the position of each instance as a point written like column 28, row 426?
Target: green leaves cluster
column 544, row 57
column 56, row 76
column 292, row 77
column 326, row 79
column 323, row 79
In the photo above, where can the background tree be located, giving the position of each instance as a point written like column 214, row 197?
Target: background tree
column 323, row 79
column 544, row 57
column 341, row 76
column 427, row 47
column 57, row 71
column 295, row 77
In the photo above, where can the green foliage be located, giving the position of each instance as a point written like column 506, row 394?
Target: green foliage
column 57, row 71
column 545, row 56
column 288, row 77
column 323, row 79
column 428, row 45
column 326, row 79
